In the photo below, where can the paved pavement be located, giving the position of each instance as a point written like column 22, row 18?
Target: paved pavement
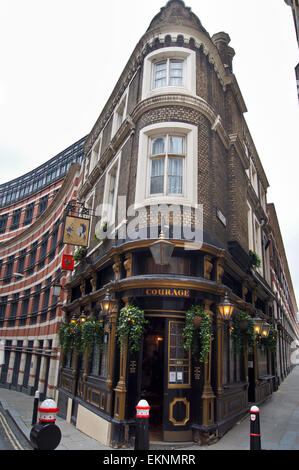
column 279, row 418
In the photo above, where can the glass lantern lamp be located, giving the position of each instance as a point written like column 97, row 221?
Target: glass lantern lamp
column 226, row 308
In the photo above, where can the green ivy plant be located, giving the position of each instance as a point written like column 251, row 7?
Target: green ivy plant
column 192, row 334
column 242, row 339
column 65, row 337
column 80, row 253
column 130, row 326
column 92, row 332
column 79, row 337
column 255, row 259
column 270, row 342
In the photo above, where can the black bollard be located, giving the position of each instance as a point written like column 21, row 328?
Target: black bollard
column 35, row 408
column 142, row 426
column 255, row 431
column 45, row 435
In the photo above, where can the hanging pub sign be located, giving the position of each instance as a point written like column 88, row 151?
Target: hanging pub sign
column 67, row 262
column 167, row 292
column 76, row 231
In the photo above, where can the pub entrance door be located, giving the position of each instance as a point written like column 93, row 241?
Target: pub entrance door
column 166, row 380
column 153, row 374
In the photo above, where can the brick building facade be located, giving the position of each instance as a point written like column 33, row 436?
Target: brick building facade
column 32, row 209
column 285, row 306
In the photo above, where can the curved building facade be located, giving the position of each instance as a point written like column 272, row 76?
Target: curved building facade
column 32, row 209
column 171, row 152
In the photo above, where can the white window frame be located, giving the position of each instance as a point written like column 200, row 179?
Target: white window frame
column 95, row 153
column 120, row 110
column 254, row 177
column 257, row 231
column 263, row 197
column 250, row 227
column 168, row 77
column 89, row 204
column 166, row 156
column 189, row 71
column 190, row 176
column 114, row 166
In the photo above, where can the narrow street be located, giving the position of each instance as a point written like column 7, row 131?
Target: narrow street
column 10, row 436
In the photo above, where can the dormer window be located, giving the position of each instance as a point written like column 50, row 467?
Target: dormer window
column 169, row 70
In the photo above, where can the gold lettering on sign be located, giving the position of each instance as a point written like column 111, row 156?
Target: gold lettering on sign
column 168, row 292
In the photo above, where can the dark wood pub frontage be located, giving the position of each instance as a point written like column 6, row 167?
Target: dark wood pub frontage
column 189, row 400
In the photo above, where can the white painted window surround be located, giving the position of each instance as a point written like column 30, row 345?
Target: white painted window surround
column 110, row 191
column 167, row 54
column 143, row 178
column 95, row 154
column 250, row 227
column 119, row 113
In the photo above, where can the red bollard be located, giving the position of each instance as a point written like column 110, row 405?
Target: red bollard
column 255, row 431
column 142, row 426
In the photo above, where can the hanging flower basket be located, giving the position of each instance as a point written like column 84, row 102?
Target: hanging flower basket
column 243, row 325
column 243, row 332
column 197, row 321
column 197, row 330
column 255, row 259
column 130, row 327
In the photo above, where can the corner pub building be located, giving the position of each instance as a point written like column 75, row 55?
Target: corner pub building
column 171, row 134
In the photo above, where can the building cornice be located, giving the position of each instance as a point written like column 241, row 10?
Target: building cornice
column 177, row 99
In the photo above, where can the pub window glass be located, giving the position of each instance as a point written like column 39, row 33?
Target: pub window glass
column 226, row 355
column 179, row 358
column 262, row 361
column 95, row 365
column 238, row 367
column 104, row 357
column 232, row 362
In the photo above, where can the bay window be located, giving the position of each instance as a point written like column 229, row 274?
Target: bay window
column 167, row 164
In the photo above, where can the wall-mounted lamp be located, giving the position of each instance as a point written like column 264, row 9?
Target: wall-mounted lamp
column 226, row 308
column 83, row 318
column 56, row 290
column 106, row 302
column 261, row 327
column 161, row 250
column 265, row 330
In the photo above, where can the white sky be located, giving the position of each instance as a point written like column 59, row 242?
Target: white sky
column 60, row 60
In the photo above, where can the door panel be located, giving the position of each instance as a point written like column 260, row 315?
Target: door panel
column 177, row 384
